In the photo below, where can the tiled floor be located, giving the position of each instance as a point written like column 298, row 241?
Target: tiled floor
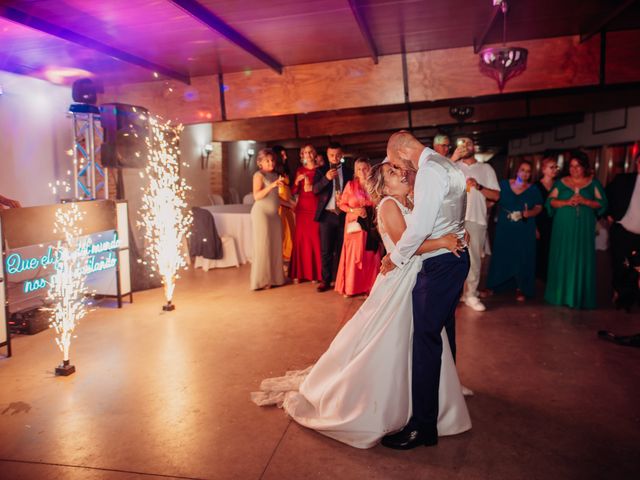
column 166, row 395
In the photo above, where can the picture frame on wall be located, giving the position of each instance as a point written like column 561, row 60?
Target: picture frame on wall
column 564, row 132
column 536, row 138
column 609, row 121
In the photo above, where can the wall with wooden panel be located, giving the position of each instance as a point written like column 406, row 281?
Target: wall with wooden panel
column 314, row 87
column 622, row 63
column 259, row 129
column 218, row 174
column 175, row 101
column 323, row 99
column 340, row 123
column 454, row 73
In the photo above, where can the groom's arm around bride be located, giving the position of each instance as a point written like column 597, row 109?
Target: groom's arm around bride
column 439, row 208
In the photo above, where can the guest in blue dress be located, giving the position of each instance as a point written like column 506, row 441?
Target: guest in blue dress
column 513, row 262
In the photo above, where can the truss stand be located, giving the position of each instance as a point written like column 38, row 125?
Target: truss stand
column 90, row 180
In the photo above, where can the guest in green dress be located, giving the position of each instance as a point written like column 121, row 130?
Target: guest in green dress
column 513, row 262
column 574, row 203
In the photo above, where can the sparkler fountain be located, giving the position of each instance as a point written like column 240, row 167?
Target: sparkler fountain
column 67, row 285
column 165, row 217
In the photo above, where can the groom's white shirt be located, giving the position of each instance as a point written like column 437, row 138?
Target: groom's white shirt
column 431, row 186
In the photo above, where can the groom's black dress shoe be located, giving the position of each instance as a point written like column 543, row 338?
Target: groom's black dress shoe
column 411, row 437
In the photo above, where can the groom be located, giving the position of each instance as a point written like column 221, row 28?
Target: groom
column 439, row 209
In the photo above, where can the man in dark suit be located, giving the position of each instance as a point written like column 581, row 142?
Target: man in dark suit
column 623, row 194
column 328, row 184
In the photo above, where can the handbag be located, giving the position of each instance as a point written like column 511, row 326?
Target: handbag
column 353, row 227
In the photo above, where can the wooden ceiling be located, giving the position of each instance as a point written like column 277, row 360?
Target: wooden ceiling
column 120, row 41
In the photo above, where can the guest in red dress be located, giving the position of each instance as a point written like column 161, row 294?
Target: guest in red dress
column 306, row 263
column 359, row 262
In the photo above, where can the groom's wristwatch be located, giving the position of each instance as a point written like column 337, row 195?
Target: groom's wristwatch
column 479, row 187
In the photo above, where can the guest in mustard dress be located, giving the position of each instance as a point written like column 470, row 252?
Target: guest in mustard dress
column 286, row 203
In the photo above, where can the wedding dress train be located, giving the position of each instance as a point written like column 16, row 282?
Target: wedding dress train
column 360, row 388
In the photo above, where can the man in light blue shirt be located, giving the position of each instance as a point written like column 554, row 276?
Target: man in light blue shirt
column 439, row 209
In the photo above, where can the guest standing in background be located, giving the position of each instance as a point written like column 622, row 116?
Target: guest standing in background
column 623, row 194
column 482, row 186
column 543, row 220
column 266, row 265
column 574, row 203
column 306, row 262
column 442, row 145
column 286, row 203
column 513, row 262
column 328, row 184
column 360, row 257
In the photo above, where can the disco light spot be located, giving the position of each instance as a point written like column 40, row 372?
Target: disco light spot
column 191, row 95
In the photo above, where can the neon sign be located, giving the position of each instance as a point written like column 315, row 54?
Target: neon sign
column 100, row 256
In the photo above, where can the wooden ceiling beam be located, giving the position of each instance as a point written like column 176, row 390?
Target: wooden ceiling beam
column 211, row 20
column 478, row 44
column 364, row 30
column 602, row 22
column 41, row 25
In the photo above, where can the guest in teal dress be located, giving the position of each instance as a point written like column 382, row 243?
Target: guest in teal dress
column 575, row 202
column 513, row 261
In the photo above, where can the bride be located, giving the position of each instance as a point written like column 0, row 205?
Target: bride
column 360, row 388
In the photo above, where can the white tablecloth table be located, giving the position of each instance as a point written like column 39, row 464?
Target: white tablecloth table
column 235, row 221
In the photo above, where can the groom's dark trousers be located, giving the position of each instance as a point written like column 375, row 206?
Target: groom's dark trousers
column 435, row 297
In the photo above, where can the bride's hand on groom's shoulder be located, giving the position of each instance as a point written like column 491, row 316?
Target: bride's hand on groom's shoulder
column 387, row 265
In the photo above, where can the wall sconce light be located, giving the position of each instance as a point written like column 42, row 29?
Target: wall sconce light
column 249, row 154
column 204, row 155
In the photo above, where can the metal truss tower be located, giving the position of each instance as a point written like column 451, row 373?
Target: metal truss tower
column 90, row 179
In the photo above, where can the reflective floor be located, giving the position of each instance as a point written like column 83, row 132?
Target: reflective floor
column 166, row 395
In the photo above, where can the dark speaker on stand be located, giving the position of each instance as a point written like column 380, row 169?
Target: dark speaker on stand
column 125, row 129
column 125, row 150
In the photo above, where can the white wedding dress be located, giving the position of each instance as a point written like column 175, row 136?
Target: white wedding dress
column 360, row 388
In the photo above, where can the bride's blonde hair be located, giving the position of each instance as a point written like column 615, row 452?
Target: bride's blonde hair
column 375, row 183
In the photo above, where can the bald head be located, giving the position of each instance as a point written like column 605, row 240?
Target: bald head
column 403, row 148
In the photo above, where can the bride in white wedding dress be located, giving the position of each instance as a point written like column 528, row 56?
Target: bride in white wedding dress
column 360, row 388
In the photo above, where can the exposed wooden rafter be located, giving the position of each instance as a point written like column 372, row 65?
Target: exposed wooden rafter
column 478, row 44
column 211, row 20
column 364, row 30
column 602, row 22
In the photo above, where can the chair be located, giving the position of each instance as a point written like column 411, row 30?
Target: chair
column 234, row 195
column 221, row 251
column 229, row 257
column 216, row 199
column 248, row 199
